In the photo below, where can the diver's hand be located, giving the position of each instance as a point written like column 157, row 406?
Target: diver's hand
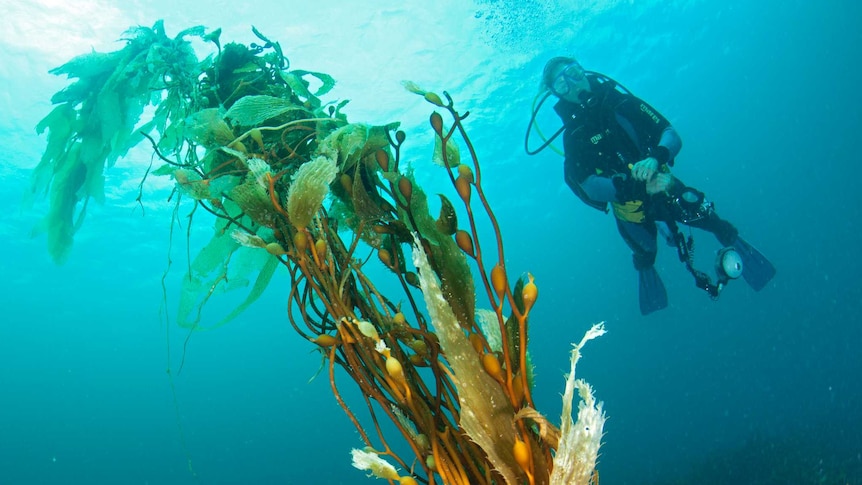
column 645, row 169
column 661, row 182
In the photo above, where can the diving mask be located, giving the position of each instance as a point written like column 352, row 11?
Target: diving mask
column 571, row 79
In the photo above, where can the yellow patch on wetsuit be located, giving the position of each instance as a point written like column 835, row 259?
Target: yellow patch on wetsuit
column 630, row 211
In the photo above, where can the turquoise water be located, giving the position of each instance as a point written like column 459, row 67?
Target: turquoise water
column 754, row 388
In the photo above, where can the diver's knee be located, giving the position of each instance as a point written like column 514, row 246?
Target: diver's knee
column 643, row 260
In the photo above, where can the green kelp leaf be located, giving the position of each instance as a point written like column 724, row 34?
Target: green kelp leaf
column 332, row 110
column 327, row 81
column 487, row 321
column 222, row 185
column 355, row 141
column 261, row 36
column 110, row 110
column 309, row 187
column 60, row 125
column 192, row 184
column 513, row 331
column 196, row 31
column 453, row 153
column 282, row 61
column 367, row 204
column 214, row 37
column 254, row 201
column 74, row 93
column 223, row 264
column 207, row 128
column 246, row 68
column 141, row 33
column 98, row 118
column 59, row 222
column 254, row 110
column 262, row 263
column 299, row 85
column 447, row 221
column 447, row 259
column 89, row 65
column 166, row 169
column 171, row 139
column 347, row 141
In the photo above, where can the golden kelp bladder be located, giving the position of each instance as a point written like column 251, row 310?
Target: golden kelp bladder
column 291, row 183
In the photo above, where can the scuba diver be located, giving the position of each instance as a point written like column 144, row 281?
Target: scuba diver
column 618, row 151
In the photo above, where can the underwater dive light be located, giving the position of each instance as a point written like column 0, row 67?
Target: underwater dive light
column 728, row 264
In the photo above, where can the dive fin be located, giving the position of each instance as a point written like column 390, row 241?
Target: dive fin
column 651, row 292
column 756, row 269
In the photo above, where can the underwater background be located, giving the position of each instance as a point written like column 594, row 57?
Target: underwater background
column 759, row 388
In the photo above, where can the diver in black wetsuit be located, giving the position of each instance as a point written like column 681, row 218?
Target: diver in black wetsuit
column 618, row 152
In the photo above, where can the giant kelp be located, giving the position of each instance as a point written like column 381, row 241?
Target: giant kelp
column 291, row 184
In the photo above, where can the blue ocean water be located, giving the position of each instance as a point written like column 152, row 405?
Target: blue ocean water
column 754, row 388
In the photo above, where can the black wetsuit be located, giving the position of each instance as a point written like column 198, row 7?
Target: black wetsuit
column 610, row 130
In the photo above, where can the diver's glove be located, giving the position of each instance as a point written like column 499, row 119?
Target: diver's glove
column 661, row 182
column 645, row 169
